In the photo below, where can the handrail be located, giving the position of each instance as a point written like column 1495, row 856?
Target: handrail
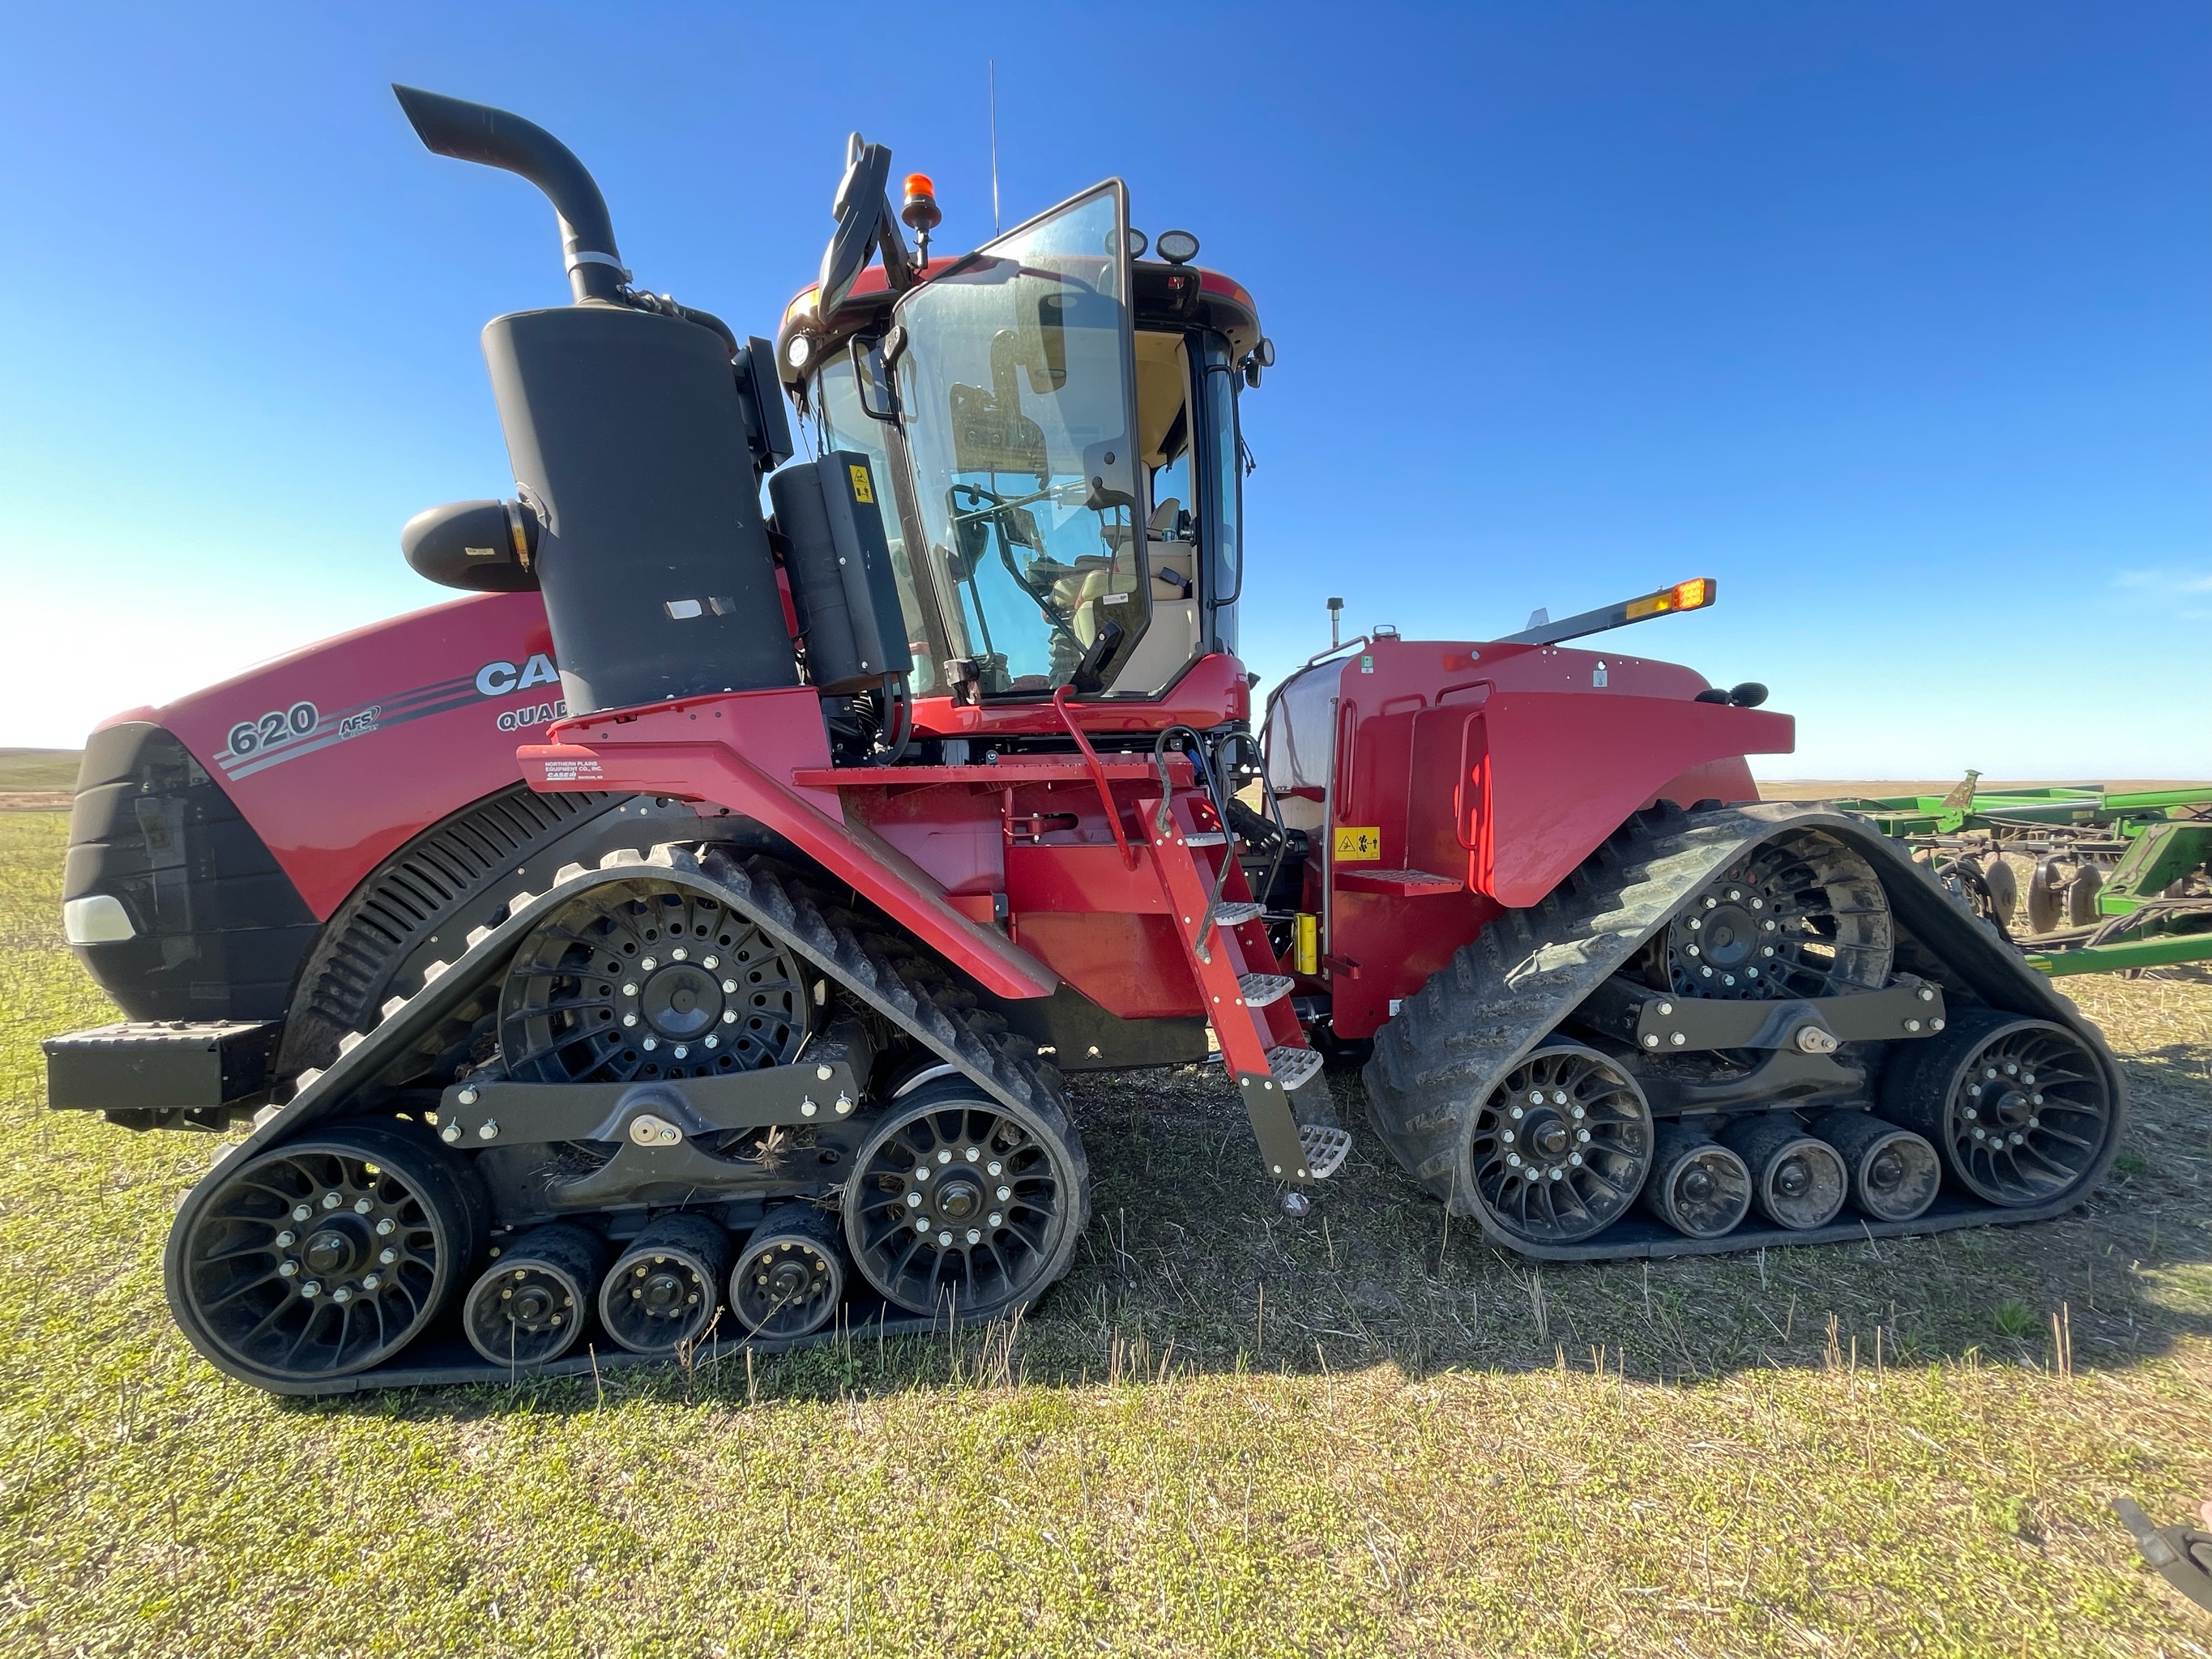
column 1097, row 774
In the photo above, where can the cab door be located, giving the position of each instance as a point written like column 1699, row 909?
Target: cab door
column 1017, row 396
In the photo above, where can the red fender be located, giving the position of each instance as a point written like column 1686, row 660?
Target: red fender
column 1566, row 768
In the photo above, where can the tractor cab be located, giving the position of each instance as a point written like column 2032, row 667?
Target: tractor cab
column 1051, row 426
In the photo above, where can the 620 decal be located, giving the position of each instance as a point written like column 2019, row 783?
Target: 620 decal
column 279, row 725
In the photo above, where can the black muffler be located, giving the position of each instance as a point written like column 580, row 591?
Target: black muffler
column 627, row 429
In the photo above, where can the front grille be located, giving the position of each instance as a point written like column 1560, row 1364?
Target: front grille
column 219, row 928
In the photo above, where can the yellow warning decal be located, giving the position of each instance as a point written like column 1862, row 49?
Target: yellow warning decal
column 1359, row 843
column 862, row 489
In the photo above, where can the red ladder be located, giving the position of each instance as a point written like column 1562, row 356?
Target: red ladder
column 1246, row 992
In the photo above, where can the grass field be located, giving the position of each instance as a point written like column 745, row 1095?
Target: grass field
column 37, row 768
column 1225, row 1433
column 36, row 780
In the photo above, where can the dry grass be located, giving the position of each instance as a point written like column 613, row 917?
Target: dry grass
column 37, row 780
column 1225, row 1433
column 39, row 769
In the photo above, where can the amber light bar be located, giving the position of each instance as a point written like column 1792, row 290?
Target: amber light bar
column 1694, row 594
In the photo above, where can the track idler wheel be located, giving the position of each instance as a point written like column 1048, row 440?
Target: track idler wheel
column 961, row 1202
column 790, row 1276
column 1698, row 1186
column 1561, row 1147
column 325, row 1255
column 663, row 1292
column 2020, row 1109
column 1797, row 1181
column 529, row 1307
column 1894, row 1174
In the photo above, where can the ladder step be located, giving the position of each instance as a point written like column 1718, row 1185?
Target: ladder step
column 1206, row 838
column 1326, row 1149
column 1259, row 990
column 1292, row 1066
column 1235, row 913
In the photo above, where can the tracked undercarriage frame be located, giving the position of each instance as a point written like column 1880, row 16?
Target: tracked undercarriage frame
column 1665, row 1086
column 419, row 1074
column 1563, row 974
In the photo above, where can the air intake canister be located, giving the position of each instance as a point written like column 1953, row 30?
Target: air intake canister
column 625, row 433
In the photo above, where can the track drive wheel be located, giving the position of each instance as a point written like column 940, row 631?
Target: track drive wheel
column 1802, row 915
column 1561, row 1147
column 325, row 1255
column 962, row 1202
column 643, row 981
column 2021, row 1109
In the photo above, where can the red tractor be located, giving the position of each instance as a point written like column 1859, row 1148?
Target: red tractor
column 684, row 939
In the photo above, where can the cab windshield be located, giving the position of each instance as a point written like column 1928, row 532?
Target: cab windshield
column 1015, row 399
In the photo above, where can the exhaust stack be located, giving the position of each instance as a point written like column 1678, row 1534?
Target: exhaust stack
column 495, row 138
column 635, row 442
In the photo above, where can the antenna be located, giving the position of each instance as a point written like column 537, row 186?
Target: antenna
column 994, row 67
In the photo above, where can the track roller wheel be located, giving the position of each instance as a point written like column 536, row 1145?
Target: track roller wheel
column 1698, row 1186
column 962, row 1201
column 325, row 1255
column 1561, row 1146
column 663, row 1292
column 791, row 1274
column 2020, row 1109
column 529, row 1307
column 1798, row 1180
column 1894, row 1174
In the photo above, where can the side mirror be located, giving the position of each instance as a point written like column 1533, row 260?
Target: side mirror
column 865, row 222
column 869, row 375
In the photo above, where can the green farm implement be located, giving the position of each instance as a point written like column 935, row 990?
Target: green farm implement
column 2081, row 879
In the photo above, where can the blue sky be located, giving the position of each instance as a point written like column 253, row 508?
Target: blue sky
column 1893, row 317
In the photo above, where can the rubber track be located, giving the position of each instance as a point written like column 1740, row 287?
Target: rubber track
column 1454, row 1040
column 875, row 966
